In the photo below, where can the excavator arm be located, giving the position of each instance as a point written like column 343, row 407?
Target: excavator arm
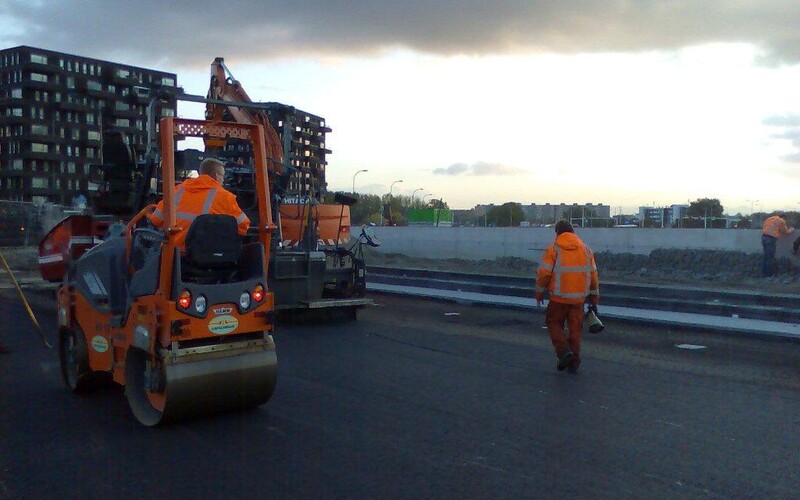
column 224, row 87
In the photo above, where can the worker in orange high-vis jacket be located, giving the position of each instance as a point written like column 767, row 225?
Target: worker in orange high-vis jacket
column 569, row 273
column 202, row 195
column 774, row 228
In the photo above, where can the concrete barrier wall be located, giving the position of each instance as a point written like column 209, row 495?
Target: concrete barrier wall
column 488, row 243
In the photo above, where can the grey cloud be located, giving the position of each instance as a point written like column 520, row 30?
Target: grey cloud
column 479, row 169
column 184, row 33
column 454, row 169
column 790, row 125
column 790, row 120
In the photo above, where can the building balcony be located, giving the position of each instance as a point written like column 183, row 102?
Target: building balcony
column 48, row 85
column 126, row 113
column 33, row 155
column 74, row 106
column 49, row 68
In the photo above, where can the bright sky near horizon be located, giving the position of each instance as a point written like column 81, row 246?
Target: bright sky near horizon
column 625, row 103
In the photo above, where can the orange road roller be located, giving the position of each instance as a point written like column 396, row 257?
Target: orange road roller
column 187, row 331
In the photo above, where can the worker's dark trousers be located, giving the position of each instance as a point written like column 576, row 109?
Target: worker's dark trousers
column 768, row 265
column 557, row 314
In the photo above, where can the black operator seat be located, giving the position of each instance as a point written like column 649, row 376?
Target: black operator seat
column 213, row 248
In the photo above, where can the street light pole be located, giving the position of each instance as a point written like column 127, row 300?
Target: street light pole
column 354, row 179
column 412, row 195
column 752, row 203
column 392, row 186
column 425, row 196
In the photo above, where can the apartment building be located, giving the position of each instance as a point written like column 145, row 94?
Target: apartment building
column 54, row 111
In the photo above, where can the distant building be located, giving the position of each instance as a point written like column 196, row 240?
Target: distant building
column 54, row 110
column 668, row 216
column 580, row 214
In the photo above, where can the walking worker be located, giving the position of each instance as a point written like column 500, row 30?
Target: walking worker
column 774, row 228
column 202, row 195
column 569, row 273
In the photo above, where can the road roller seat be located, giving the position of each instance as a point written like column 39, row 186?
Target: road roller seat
column 213, row 248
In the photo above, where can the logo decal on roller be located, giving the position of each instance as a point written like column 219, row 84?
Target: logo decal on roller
column 223, row 324
column 99, row 343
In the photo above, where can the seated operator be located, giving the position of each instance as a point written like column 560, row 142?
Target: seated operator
column 201, row 195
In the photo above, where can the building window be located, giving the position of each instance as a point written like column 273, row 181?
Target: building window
column 16, row 164
column 167, row 81
column 90, row 118
column 16, row 93
column 38, row 58
column 39, row 129
column 38, row 147
column 14, row 112
column 121, row 106
column 123, row 73
column 70, row 82
column 122, row 122
column 38, row 77
column 93, row 135
column 93, row 85
column 71, row 167
column 39, row 182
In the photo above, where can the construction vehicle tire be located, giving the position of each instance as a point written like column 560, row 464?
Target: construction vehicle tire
column 74, row 357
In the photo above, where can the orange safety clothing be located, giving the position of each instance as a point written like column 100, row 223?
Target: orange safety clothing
column 568, row 271
column 198, row 196
column 775, row 227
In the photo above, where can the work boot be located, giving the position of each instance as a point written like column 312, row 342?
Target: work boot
column 564, row 361
column 574, row 364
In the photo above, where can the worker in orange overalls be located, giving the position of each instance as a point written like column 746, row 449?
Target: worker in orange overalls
column 774, row 228
column 202, row 195
column 568, row 271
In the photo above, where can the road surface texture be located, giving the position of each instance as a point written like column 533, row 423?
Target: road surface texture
column 426, row 399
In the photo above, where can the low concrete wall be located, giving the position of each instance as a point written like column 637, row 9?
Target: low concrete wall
column 489, row 243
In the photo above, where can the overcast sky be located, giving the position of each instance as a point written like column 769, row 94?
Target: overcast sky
column 625, row 103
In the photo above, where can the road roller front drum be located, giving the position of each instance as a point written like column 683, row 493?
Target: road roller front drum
column 185, row 383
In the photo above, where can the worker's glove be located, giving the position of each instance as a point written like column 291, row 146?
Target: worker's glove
column 592, row 308
column 593, row 300
column 539, row 298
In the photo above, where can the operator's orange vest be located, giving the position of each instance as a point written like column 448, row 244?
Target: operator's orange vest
column 199, row 196
column 568, row 271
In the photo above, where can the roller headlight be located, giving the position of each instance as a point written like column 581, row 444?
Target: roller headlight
column 200, row 304
column 244, row 300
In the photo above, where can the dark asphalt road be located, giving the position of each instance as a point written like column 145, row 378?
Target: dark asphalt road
column 410, row 401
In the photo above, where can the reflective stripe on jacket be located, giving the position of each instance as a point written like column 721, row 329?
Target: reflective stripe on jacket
column 568, row 271
column 775, row 226
column 202, row 195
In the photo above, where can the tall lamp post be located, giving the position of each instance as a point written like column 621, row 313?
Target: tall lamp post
column 412, row 195
column 425, row 196
column 392, row 186
column 390, row 196
column 354, row 179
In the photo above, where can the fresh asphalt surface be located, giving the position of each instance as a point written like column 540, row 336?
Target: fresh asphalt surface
column 427, row 399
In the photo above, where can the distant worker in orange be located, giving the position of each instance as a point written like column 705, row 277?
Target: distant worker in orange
column 568, row 271
column 202, row 195
column 774, row 228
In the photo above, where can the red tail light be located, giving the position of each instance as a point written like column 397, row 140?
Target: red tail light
column 258, row 293
column 185, row 299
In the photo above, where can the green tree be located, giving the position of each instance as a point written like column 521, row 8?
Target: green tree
column 507, row 214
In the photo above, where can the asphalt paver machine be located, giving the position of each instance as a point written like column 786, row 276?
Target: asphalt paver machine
column 187, row 333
